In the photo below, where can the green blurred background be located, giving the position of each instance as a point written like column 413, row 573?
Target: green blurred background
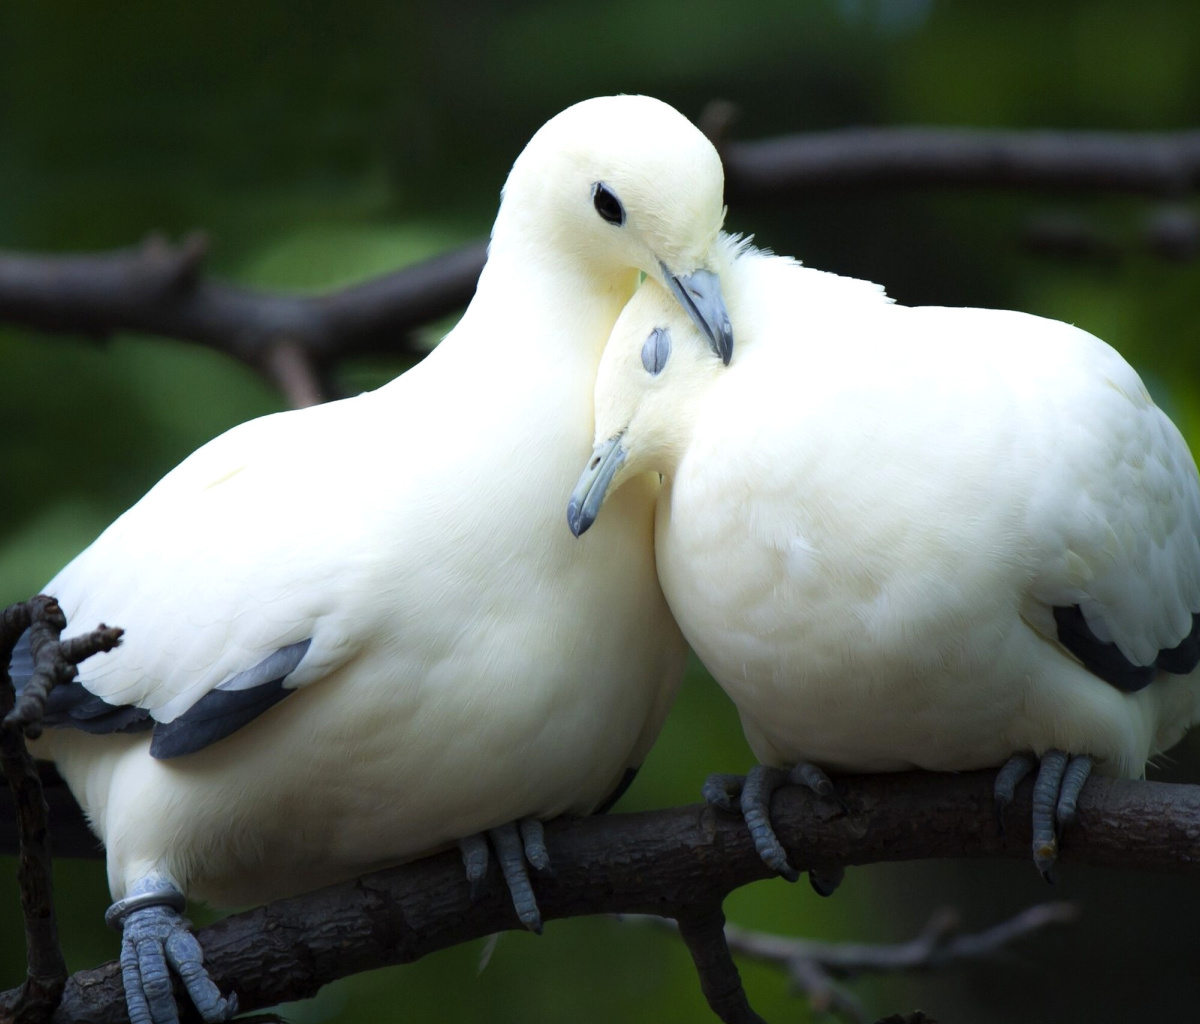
column 322, row 143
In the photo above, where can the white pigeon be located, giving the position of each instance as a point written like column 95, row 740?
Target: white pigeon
column 910, row 537
column 355, row 633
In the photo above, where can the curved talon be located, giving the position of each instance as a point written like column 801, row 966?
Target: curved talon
column 1007, row 779
column 761, row 782
column 724, row 791
column 154, row 940
column 751, row 795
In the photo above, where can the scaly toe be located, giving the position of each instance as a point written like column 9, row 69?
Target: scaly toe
column 533, row 839
column 475, row 862
column 724, row 791
column 510, row 852
column 1072, row 784
column 761, row 782
column 1007, row 779
column 810, row 776
column 1045, row 805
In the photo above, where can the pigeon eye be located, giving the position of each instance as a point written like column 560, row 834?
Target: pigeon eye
column 656, row 351
column 605, row 200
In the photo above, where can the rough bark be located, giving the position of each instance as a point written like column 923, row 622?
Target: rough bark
column 665, row 863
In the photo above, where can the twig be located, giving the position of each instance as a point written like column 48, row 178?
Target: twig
column 54, row 662
column 662, row 863
column 812, row 966
column 290, row 367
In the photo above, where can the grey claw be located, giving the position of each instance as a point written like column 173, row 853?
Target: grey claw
column 809, row 775
column 154, row 940
column 1007, row 779
column 761, row 782
column 724, row 791
column 185, row 955
column 510, row 852
column 475, row 862
column 1073, row 779
column 1045, row 804
column 518, row 845
column 751, row 795
column 533, row 839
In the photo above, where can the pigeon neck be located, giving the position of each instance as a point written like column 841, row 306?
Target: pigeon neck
column 562, row 303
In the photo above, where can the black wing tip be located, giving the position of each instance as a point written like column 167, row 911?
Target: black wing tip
column 1105, row 660
column 217, row 714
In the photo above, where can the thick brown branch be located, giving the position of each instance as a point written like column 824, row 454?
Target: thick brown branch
column 665, row 863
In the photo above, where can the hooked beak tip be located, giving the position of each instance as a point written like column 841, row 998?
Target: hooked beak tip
column 699, row 293
column 577, row 520
column 585, row 501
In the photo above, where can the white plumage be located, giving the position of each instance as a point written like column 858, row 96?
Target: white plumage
column 871, row 515
column 468, row 663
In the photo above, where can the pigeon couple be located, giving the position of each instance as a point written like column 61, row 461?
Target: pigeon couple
column 357, row 633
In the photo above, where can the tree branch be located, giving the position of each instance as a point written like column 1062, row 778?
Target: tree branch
column 812, row 966
column 703, row 931
column 666, row 863
column 1162, row 164
column 54, row 663
column 160, row 289
column 71, row 834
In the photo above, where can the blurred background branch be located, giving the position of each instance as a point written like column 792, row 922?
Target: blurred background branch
column 161, row 289
column 777, row 170
column 814, row 969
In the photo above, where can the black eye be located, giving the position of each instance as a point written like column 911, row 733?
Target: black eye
column 656, row 351
column 605, row 200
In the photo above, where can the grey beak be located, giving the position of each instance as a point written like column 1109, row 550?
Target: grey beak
column 700, row 294
column 589, row 493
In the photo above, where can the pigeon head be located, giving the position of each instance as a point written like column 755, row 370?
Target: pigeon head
column 621, row 184
column 656, row 368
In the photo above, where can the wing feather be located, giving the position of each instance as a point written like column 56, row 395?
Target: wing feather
column 240, row 554
column 1119, row 510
